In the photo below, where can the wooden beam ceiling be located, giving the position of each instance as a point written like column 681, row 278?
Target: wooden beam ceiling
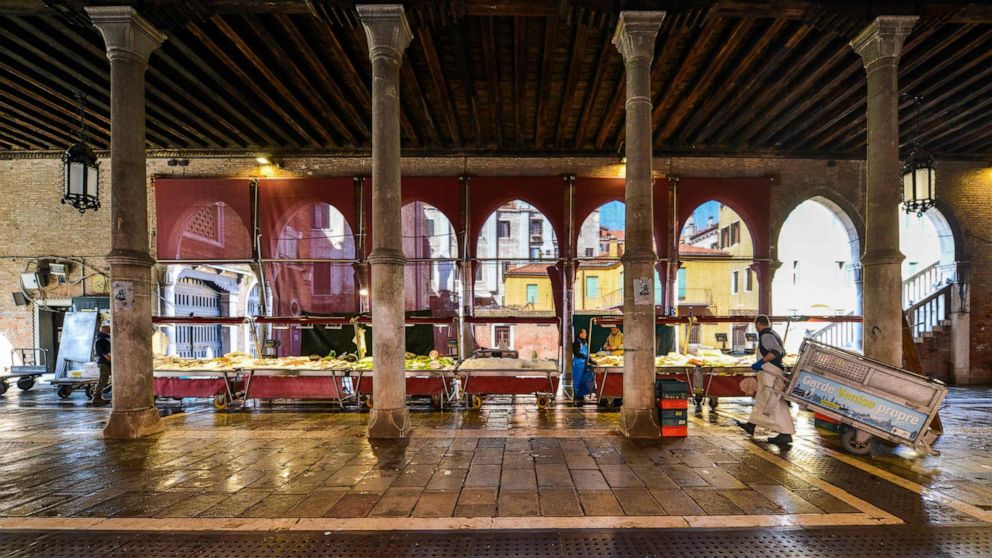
column 732, row 77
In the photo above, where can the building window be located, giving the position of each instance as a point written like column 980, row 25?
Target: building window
column 501, row 336
column 536, row 227
column 680, row 283
column 724, row 237
column 749, row 280
column 478, row 272
column 735, row 233
column 429, row 225
column 734, row 281
column 589, row 252
column 592, row 286
column 503, row 229
column 531, row 294
column 795, row 272
column 535, row 253
column 694, row 334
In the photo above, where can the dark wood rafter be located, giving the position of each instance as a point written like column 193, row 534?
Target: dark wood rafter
column 501, row 76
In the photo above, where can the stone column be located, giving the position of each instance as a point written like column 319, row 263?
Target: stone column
column 635, row 39
column 130, row 41
column 388, row 35
column 879, row 46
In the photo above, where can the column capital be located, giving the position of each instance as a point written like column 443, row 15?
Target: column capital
column 636, row 33
column 883, row 38
column 386, row 28
column 126, row 33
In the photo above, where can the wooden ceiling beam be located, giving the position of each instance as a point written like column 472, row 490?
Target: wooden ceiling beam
column 938, row 127
column 166, row 97
column 976, row 142
column 276, row 83
column 687, row 103
column 58, row 139
column 94, row 121
column 14, row 135
column 541, row 121
column 302, row 83
column 519, row 76
column 576, row 56
column 251, row 84
column 492, row 77
column 219, row 89
column 606, row 52
column 426, row 39
column 410, row 80
column 715, row 99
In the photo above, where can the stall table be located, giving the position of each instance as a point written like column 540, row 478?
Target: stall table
column 508, row 376
column 435, row 384
column 221, row 384
column 280, row 382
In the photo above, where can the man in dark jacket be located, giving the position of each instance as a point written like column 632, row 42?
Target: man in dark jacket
column 103, row 358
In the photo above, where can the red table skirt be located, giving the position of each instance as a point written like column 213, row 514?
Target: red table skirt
column 714, row 385
column 509, row 385
column 415, row 385
column 314, row 387
column 192, row 387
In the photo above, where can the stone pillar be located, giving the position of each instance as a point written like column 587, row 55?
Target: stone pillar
column 388, row 35
column 635, row 39
column 130, row 41
column 764, row 272
column 879, row 46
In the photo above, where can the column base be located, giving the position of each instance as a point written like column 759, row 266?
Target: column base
column 639, row 423
column 128, row 425
column 389, row 423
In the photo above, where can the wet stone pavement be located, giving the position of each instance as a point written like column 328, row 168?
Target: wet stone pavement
column 509, row 465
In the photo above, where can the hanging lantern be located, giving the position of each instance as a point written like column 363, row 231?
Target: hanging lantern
column 919, row 178
column 81, row 170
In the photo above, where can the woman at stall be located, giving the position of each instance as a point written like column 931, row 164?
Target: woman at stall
column 582, row 379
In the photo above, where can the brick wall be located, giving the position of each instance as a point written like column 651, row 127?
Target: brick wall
column 33, row 223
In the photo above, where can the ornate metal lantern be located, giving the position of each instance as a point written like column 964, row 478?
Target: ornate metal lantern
column 919, row 178
column 81, row 170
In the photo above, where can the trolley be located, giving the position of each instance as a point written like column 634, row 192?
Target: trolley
column 34, row 363
column 869, row 398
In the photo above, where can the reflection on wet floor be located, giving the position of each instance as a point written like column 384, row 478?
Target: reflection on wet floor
column 508, row 459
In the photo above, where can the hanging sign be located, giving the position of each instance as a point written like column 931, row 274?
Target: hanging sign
column 642, row 291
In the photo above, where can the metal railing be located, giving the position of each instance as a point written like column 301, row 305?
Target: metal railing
column 840, row 334
column 930, row 312
column 922, row 284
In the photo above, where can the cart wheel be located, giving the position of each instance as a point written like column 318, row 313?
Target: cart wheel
column 604, row 403
column 714, row 402
column 63, row 392
column 365, row 401
column 543, row 401
column 849, row 441
column 477, row 399
column 437, row 401
column 220, row 401
column 25, row 384
column 90, row 390
column 698, row 398
column 3, row 388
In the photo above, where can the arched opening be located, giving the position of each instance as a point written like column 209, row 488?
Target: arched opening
column 927, row 242
column 598, row 286
column 214, row 231
column 819, row 251
column 716, row 275
column 515, row 249
column 430, row 276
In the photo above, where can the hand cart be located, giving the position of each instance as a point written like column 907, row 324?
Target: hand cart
column 869, row 398
column 222, row 385
column 34, row 363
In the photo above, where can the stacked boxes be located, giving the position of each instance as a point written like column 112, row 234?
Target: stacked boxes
column 672, row 397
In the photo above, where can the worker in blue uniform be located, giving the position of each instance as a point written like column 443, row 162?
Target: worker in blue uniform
column 582, row 380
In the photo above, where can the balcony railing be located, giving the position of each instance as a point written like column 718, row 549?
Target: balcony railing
column 922, row 284
column 930, row 312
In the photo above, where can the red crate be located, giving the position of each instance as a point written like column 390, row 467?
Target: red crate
column 674, row 431
column 673, row 403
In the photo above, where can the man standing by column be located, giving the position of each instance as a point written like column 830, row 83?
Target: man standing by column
column 635, row 38
column 880, row 46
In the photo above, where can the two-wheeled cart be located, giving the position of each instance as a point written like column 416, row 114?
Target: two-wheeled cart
column 33, row 363
column 870, row 399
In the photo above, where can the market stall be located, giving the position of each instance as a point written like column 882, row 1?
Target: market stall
column 481, row 377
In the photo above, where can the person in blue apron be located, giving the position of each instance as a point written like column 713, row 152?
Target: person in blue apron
column 582, row 380
column 770, row 411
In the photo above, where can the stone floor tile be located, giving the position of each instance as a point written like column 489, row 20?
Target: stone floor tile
column 477, row 496
column 447, row 479
column 348, row 475
column 518, row 460
column 153, row 503
column 353, row 505
column 712, row 502
column 580, row 461
column 556, row 502
column 637, row 501
column 316, row 503
column 236, row 504
column 654, row 477
column 376, row 481
column 824, row 501
column 684, row 476
column 475, row 510
column 677, row 502
column 488, row 456
column 585, row 479
column 194, row 505
column 518, row 503
column 553, row 475
column 483, row 475
column 435, row 504
column 752, row 502
column 718, row 478
column 518, row 479
column 785, row 498
column 397, row 502
column 599, row 502
column 414, row 476
column 273, row 505
column 620, row 476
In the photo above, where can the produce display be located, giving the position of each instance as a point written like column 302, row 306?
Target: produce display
column 707, row 359
column 236, row 360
